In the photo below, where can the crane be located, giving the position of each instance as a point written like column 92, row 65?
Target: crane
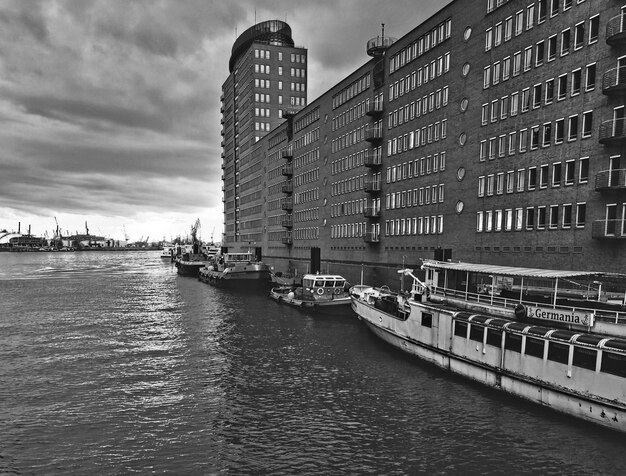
column 194, row 231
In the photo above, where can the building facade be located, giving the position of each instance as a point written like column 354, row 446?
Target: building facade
column 493, row 132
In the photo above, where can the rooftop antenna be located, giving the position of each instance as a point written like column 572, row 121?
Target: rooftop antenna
column 383, row 33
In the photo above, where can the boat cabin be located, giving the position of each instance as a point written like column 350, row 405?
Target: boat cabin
column 323, row 283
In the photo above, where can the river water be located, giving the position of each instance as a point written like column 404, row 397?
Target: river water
column 110, row 363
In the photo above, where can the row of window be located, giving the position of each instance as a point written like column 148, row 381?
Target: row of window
column 423, row 75
column 307, row 119
column 349, row 185
column 504, row 30
column 306, row 158
column 431, row 133
column 307, row 177
column 349, row 138
column 541, row 217
column 542, row 93
column 521, row 180
column 348, row 230
column 307, row 196
column 307, row 138
column 352, row 207
column 266, row 69
column 265, row 54
column 427, row 225
column 352, row 161
column 421, row 45
column 356, row 87
column 426, row 165
column 416, row 197
column 312, row 233
column 537, row 136
column 582, row 357
column 419, row 107
column 306, row 215
column 350, row 115
column 512, row 66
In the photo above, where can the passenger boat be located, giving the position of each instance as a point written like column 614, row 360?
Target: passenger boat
column 168, row 251
column 538, row 351
column 236, row 269
column 318, row 292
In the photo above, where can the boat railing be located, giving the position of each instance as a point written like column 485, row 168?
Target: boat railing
column 494, row 300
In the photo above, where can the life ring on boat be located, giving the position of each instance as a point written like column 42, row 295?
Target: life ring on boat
column 520, row 312
column 320, row 291
column 337, row 290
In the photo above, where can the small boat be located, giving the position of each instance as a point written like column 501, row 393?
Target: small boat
column 236, row 269
column 508, row 328
column 168, row 251
column 318, row 292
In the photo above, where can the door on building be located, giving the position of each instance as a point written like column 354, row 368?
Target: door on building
column 315, row 260
column 614, row 171
column 258, row 254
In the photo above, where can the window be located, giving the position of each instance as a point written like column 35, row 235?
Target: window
column 521, row 175
column 546, row 135
column 567, row 215
column 549, row 91
column 528, row 53
column 479, row 221
column 543, row 176
column 510, row 181
column 569, row 172
column 613, row 363
column 559, row 131
column 485, row 114
column 558, row 352
column 513, row 342
column 494, row 337
column 556, row 174
column 565, row 41
column 476, row 333
column 497, row 34
column 514, row 103
column 494, row 110
column 495, row 74
column 572, row 128
column 512, row 142
column 508, row 28
column 554, row 8
column 532, row 178
column 519, row 22
column 530, row 16
column 517, row 63
column 500, row 183
column 504, row 107
column 525, row 99
column 579, row 35
column 552, row 48
column 530, row 218
column 554, row 216
column 587, row 124
column 534, row 347
column 590, row 77
column 488, row 39
column 427, row 319
column 541, row 218
column 541, row 10
column 523, row 140
column 519, row 217
column 583, row 170
column 537, row 96
column 506, row 68
column 539, row 53
column 581, row 212
column 562, row 87
column 594, row 28
column 576, row 79
column 585, row 358
column 460, row 329
column 534, row 137
column 486, row 77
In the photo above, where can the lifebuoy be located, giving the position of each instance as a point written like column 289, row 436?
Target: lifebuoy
column 520, row 312
column 320, row 291
column 337, row 290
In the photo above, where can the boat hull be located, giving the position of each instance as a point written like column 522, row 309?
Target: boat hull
column 189, row 268
column 435, row 345
column 244, row 279
column 330, row 305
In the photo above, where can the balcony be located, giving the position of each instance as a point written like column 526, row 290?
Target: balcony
column 613, row 132
column 374, row 134
column 608, row 229
column 372, row 185
column 286, row 204
column 374, row 108
column 287, row 221
column 371, row 237
column 289, row 113
column 607, row 180
column 288, row 153
column 377, row 46
column 287, row 239
column 287, row 187
column 371, row 212
column 614, row 81
column 616, row 30
column 287, row 170
column 373, row 159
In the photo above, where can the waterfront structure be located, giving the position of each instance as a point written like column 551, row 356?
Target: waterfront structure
column 267, row 81
column 493, row 132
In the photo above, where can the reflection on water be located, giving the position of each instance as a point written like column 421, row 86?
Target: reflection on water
column 111, row 363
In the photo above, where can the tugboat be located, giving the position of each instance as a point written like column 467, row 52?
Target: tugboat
column 236, row 269
column 318, row 292
column 191, row 261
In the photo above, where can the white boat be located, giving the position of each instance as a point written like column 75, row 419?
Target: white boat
column 168, row 251
column 318, row 292
column 236, row 269
column 562, row 366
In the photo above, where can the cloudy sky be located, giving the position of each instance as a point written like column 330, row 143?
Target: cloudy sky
column 109, row 109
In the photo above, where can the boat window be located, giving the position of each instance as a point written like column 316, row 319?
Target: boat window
column 585, row 358
column 476, row 333
column 427, row 319
column 494, row 337
column 558, row 352
column 308, row 283
column 513, row 342
column 613, row 364
column 460, row 329
column 534, row 347
column 319, row 283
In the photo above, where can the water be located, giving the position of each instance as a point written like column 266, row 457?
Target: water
column 112, row 364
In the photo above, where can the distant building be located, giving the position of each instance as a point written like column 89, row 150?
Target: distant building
column 492, row 132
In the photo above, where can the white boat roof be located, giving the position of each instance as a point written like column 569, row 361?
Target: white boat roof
column 329, row 277
column 514, row 270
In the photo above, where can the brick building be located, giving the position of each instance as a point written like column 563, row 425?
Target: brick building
column 493, row 132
